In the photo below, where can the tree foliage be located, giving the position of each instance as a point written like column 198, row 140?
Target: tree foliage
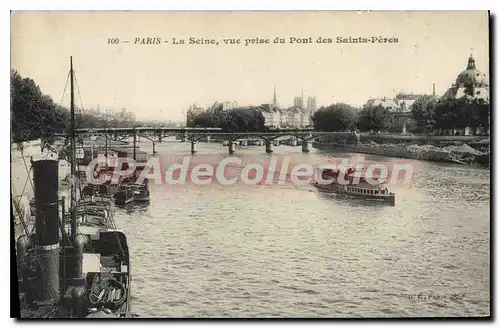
column 243, row 120
column 32, row 113
column 462, row 113
column 336, row 117
column 35, row 115
column 205, row 119
column 374, row 118
column 448, row 114
column 397, row 121
column 423, row 112
column 247, row 119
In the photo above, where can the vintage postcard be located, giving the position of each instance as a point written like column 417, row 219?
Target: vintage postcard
column 251, row 164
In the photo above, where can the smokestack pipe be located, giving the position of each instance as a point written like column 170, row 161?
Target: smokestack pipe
column 23, row 243
column 80, row 242
column 46, row 185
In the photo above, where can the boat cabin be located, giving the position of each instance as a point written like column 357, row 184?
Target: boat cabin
column 351, row 181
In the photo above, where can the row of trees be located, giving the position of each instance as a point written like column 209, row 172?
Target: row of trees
column 35, row 115
column 427, row 115
column 453, row 114
column 246, row 119
column 344, row 117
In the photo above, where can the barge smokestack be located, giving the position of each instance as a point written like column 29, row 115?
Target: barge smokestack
column 46, row 185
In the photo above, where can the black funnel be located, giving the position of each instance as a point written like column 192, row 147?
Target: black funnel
column 46, row 181
column 46, row 184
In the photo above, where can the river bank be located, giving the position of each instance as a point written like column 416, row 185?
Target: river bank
column 438, row 149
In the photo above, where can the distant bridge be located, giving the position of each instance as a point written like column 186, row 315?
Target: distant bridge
column 157, row 134
column 140, row 129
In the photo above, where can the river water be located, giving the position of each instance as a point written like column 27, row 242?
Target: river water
column 289, row 251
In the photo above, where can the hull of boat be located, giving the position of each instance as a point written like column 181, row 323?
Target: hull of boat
column 124, row 196
column 143, row 196
column 389, row 198
column 121, row 201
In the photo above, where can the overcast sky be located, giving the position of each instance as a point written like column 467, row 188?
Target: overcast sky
column 160, row 81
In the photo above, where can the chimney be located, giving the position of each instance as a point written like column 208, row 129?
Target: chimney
column 434, row 89
column 46, row 185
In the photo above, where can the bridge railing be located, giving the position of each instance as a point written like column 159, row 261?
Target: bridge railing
column 144, row 129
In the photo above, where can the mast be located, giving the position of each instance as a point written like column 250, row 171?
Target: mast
column 106, row 139
column 106, row 148
column 135, row 142
column 275, row 101
column 73, row 152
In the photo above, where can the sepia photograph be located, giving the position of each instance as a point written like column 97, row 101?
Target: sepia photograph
column 250, row 164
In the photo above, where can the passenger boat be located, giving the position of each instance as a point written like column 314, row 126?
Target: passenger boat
column 75, row 266
column 350, row 184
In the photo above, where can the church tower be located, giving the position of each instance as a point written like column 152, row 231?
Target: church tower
column 275, row 100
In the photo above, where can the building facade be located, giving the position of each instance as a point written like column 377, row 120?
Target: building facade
column 298, row 102
column 311, row 105
column 473, row 85
column 470, row 83
column 297, row 116
column 278, row 118
column 390, row 104
column 400, row 107
column 222, row 106
column 272, row 116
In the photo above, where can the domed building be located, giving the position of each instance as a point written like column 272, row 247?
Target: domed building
column 470, row 83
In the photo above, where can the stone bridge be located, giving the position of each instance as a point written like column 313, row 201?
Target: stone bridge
column 194, row 135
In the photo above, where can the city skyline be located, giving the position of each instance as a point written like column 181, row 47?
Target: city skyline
column 162, row 81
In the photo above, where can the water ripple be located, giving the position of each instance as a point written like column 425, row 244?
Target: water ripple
column 285, row 251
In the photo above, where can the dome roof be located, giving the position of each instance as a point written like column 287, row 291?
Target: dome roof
column 471, row 75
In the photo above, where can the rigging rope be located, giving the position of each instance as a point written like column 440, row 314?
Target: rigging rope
column 78, row 90
column 65, row 87
column 21, row 216
column 25, row 225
